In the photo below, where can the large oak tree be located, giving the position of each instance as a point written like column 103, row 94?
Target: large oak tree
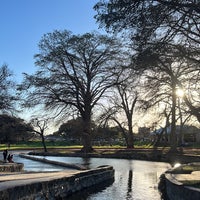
column 74, row 73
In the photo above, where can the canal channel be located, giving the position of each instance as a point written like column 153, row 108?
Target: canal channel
column 134, row 179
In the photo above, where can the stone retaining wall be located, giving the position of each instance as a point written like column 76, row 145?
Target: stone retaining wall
column 11, row 167
column 177, row 191
column 57, row 187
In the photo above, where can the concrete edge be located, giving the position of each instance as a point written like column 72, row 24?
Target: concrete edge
column 55, row 187
column 176, row 190
column 68, row 165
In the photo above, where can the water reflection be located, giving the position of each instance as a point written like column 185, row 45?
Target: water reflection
column 31, row 165
column 86, row 194
column 86, row 162
column 134, row 179
column 130, row 181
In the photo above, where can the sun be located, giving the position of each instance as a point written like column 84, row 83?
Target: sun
column 179, row 92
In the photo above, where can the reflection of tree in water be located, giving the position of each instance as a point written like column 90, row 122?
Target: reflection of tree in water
column 130, row 181
column 88, row 193
column 86, row 162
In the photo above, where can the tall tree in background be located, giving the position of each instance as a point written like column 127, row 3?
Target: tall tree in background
column 163, row 72
column 163, row 33
column 7, row 97
column 157, row 23
column 123, row 106
column 75, row 71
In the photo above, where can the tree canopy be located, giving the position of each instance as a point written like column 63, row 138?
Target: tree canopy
column 7, row 96
column 165, row 36
column 13, row 129
column 74, row 73
column 161, row 30
column 160, row 19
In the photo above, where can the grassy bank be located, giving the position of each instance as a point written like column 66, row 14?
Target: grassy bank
column 37, row 145
column 63, row 145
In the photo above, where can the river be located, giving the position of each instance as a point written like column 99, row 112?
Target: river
column 134, row 179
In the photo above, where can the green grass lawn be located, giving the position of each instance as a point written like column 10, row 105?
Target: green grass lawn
column 62, row 144
column 37, row 144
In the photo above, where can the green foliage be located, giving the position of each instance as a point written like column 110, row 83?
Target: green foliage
column 38, row 145
column 107, row 133
column 14, row 129
column 62, row 145
column 70, row 129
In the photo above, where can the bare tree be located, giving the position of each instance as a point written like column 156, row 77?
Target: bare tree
column 39, row 127
column 164, row 71
column 177, row 25
column 75, row 71
column 123, row 105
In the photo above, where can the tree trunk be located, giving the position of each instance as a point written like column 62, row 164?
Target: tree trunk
column 43, row 143
column 130, row 143
column 87, row 143
column 130, row 140
column 173, row 142
column 86, row 136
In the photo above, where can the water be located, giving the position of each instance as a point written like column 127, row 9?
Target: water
column 134, row 179
column 35, row 166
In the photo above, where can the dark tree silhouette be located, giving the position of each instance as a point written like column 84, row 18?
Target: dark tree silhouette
column 39, row 127
column 75, row 71
column 7, row 86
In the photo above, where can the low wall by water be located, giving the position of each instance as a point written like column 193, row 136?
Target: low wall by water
column 55, row 187
column 11, row 167
column 176, row 190
column 44, row 160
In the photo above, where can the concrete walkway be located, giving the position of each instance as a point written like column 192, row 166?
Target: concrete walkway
column 51, row 185
column 17, row 179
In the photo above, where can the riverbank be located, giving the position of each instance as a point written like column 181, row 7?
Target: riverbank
column 161, row 155
column 181, row 182
column 51, row 185
column 122, row 169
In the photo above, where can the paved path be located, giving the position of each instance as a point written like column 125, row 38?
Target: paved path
column 17, row 179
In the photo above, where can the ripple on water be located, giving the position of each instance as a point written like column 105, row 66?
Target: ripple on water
column 134, row 179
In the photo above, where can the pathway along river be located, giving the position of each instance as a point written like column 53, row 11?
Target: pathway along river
column 134, row 179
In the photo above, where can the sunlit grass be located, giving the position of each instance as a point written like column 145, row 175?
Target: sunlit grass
column 65, row 145
column 37, row 145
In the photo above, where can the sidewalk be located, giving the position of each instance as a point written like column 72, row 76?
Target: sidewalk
column 8, row 180
column 52, row 185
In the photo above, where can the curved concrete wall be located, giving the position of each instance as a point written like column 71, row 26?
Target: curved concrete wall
column 55, row 187
column 11, row 167
column 177, row 191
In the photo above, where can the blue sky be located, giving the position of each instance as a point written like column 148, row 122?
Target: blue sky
column 24, row 22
